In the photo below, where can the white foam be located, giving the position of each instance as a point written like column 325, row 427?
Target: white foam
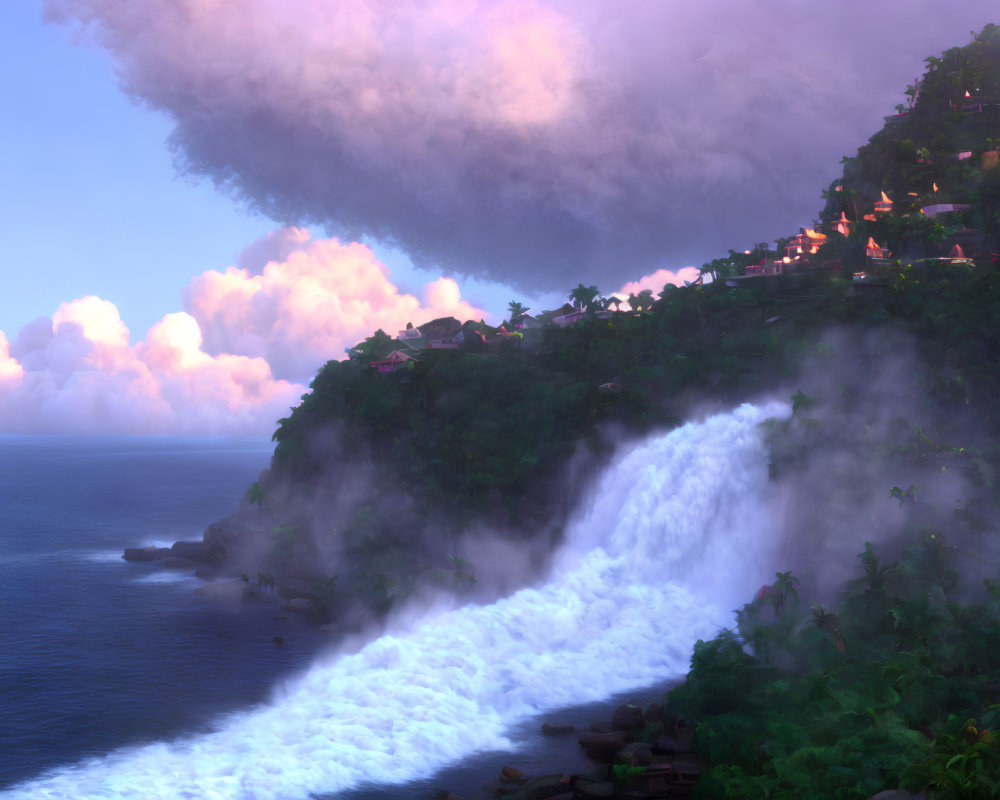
column 677, row 537
column 167, row 576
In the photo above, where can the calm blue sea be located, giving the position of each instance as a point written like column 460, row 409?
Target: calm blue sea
column 95, row 652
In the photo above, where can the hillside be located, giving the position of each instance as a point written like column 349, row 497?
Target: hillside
column 416, row 462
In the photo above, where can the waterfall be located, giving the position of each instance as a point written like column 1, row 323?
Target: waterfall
column 677, row 537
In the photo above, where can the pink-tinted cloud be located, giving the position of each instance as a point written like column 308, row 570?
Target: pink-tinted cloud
column 77, row 373
column 657, row 280
column 535, row 142
column 232, row 363
column 307, row 308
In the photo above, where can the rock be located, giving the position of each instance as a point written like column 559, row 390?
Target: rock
column 510, row 774
column 627, row 716
column 177, row 563
column 543, row 788
column 591, row 788
column 653, row 714
column 894, row 794
column 557, row 729
column 601, row 727
column 603, row 746
column 638, row 753
column 192, row 551
column 448, row 796
column 151, row 553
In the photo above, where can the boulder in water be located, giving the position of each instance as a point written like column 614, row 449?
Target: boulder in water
column 653, row 714
column 628, row 716
column 591, row 788
column 192, row 551
column 603, row 746
column 151, row 553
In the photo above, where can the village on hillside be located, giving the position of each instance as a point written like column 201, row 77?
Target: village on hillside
column 924, row 191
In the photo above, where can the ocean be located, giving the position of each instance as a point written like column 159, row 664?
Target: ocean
column 117, row 680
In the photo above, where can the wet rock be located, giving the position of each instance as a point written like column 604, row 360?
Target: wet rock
column 151, row 553
column 444, row 795
column 638, row 753
column 603, row 746
column 557, row 729
column 508, row 774
column 627, row 716
column 653, row 714
column 192, row 551
column 592, row 789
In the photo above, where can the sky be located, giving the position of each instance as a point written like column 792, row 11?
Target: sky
column 205, row 200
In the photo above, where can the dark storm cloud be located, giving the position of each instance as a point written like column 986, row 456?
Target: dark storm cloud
column 539, row 143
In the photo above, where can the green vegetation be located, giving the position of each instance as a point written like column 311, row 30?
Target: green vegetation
column 847, row 704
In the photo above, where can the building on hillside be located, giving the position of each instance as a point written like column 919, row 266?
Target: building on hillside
column 806, row 243
column 411, row 336
column 526, row 322
column 440, row 328
column 444, row 343
column 883, row 206
column 970, row 103
column 974, row 245
column 942, row 208
column 568, row 319
column 396, row 360
column 842, row 225
column 549, row 316
column 873, row 251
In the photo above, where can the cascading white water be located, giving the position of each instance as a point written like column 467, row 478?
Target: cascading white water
column 677, row 537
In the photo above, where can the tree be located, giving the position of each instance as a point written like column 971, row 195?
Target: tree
column 583, row 295
column 642, row 301
column 516, row 311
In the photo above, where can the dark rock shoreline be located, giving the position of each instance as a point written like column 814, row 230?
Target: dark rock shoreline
column 636, row 754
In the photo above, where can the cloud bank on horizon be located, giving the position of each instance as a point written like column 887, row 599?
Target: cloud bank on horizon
column 232, row 362
column 534, row 142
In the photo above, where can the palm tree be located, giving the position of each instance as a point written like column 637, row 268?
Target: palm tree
column 583, row 295
column 784, row 587
column 516, row 311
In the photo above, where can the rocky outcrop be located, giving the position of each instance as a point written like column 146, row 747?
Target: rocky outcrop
column 150, row 553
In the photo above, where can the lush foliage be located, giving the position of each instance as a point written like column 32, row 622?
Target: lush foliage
column 821, row 704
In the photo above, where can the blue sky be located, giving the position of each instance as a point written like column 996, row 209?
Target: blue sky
column 92, row 203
